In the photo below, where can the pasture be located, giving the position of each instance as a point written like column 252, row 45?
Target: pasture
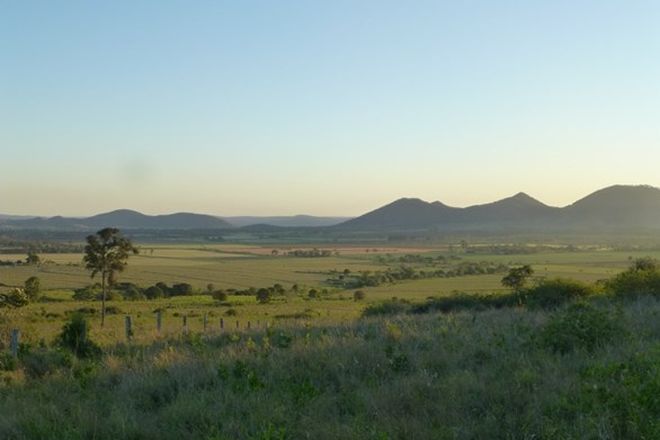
column 230, row 266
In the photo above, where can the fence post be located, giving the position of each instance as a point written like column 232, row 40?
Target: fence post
column 129, row 328
column 185, row 324
column 206, row 322
column 15, row 341
column 237, row 324
column 248, row 325
column 159, row 321
column 222, row 324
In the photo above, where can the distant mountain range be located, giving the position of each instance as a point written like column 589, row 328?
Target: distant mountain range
column 123, row 219
column 614, row 208
column 298, row 221
column 128, row 219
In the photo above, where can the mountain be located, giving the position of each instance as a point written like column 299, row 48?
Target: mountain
column 286, row 221
column 509, row 212
column 124, row 219
column 618, row 206
column 406, row 213
column 4, row 217
column 613, row 208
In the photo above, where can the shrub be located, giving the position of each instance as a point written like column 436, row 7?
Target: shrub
column 75, row 337
column 263, row 296
column 359, row 295
column 7, row 362
column 219, row 295
column 15, row 298
column 635, row 282
column 32, row 288
column 231, row 312
column 628, row 392
column 133, row 293
column 553, row 293
column 581, row 326
column 113, row 310
column 391, row 307
column 43, row 362
column 154, row 292
column 181, row 289
column 466, row 301
column 88, row 293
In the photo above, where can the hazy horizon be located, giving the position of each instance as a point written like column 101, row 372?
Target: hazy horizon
column 327, row 109
column 365, row 210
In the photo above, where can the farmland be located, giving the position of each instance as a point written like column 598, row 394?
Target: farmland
column 239, row 266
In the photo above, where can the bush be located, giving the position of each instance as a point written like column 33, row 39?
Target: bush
column 32, row 288
column 628, row 392
column 181, row 289
column 359, row 295
column 581, row 326
column 392, row 307
column 44, row 362
column 553, row 293
column 133, row 293
column 88, row 293
column 231, row 312
column 263, row 296
column 635, row 282
column 75, row 337
column 154, row 292
column 113, row 310
column 7, row 362
column 15, row 298
column 466, row 301
column 219, row 295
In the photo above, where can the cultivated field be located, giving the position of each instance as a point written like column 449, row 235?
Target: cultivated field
column 243, row 266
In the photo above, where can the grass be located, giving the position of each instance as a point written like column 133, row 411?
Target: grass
column 242, row 266
column 490, row 374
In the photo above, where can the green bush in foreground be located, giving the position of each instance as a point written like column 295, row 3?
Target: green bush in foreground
column 476, row 375
column 581, row 326
column 75, row 337
column 549, row 294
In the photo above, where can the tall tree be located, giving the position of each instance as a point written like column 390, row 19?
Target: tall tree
column 106, row 254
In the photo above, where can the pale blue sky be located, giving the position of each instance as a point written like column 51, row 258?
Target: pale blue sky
column 328, row 108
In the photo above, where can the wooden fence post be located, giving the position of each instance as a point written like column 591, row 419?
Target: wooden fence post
column 185, row 324
column 159, row 321
column 248, row 325
column 222, row 324
column 237, row 324
column 129, row 328
column 206, row 322
column 15, row 341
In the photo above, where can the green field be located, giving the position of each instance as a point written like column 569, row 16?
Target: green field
column 244, row 266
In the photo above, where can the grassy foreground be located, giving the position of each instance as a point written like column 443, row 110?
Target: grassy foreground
column 579, row 372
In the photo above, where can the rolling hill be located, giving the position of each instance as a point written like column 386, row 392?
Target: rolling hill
column 124, row 219
column 296, row 221
column 613, row 208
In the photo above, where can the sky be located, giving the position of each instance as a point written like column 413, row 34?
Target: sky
column 322, row 107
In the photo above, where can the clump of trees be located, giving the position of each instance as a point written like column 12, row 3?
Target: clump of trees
column 310, row 253
column 367, row 278
column 133, row 292
column 641, row 278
